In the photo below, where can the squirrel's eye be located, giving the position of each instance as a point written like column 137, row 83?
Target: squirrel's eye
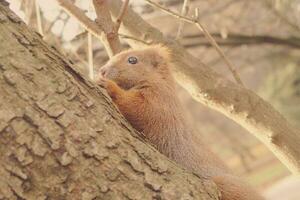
column 132, row 60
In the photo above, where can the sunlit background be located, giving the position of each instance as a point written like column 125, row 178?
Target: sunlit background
column 261, row 38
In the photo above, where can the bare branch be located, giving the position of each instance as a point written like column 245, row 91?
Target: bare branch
column 236, row 39
column 121, row 15
column 202, row 28
column 111, row 40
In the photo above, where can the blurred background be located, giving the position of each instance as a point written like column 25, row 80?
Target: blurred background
column 261, row 38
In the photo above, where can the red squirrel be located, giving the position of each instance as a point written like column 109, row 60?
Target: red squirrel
column 140, row 83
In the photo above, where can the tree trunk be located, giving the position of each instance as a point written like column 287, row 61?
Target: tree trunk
column 61, row 137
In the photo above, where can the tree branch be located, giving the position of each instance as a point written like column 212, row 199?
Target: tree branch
column 121, row 15
column 111, row 40
column 210, row 88
column 236, row 39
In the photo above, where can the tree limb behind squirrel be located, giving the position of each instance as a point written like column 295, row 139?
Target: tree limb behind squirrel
column 141, row 85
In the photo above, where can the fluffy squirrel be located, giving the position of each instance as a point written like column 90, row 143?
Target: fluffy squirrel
column 140, row 83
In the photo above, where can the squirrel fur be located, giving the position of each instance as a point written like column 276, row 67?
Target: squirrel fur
column 140, row 83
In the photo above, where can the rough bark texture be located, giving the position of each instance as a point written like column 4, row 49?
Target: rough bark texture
column 61, row 138
column 210, row 88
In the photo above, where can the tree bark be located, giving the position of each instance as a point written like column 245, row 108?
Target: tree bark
column 61, row 137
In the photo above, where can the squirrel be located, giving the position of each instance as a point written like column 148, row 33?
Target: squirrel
column 141, row 84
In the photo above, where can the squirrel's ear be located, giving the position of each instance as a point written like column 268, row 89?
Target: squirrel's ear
column 159, row 51
column 162, row 51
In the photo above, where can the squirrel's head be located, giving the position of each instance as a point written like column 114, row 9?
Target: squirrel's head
column 132, row 67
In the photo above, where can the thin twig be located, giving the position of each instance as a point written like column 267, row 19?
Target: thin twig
column 184, row 12
column 121, row 15
column 90, row 56
column 206, row 33
column 38, row 17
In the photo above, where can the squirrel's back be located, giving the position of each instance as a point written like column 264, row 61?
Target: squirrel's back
column 162, row 119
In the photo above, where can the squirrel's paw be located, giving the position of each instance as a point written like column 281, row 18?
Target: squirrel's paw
column 110, row 86
column 102, row 82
